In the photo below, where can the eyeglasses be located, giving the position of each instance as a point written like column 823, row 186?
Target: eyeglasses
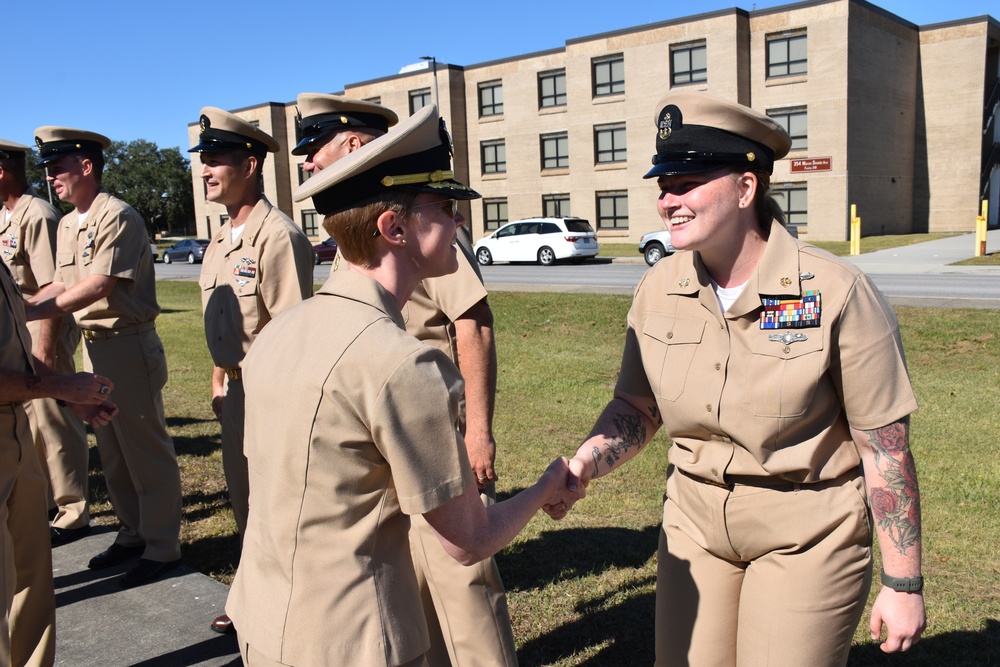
column 450, row 206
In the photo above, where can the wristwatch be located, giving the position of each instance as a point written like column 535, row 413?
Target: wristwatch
column 903, row 585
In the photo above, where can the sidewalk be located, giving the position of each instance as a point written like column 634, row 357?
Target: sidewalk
column 162, row 624
column 930, row 257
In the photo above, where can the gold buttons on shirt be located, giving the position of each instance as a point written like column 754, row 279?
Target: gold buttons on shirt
column 787, row 349
column 715, row 472
column 718, row 367
column 708, row 408
column 670, row 334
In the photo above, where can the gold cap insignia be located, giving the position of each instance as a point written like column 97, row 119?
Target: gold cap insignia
column 751, row 156
column 666, row 128
column 785, row 282
column 343, row 120
column 38, row 142
column 205, row 123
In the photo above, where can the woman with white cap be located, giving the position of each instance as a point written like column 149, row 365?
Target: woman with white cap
column 778, row 373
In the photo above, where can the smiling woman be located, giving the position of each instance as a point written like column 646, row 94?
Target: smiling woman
column 767, row 426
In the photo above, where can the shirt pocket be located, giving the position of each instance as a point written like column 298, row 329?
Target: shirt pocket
column 781, row 377
column 668, row 347
column 207, row 281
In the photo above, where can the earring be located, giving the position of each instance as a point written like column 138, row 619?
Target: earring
column 402, row 242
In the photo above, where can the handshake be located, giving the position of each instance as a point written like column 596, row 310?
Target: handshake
column 567, row 481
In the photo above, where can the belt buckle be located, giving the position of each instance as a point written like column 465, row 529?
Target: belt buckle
column 233, row 373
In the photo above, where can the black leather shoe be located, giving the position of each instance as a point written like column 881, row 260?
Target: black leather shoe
column 223, row 625
column 146, row 570
column 115, row 554
column 61, row 536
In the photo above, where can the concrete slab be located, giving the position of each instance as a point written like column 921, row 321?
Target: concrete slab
column 162, row 624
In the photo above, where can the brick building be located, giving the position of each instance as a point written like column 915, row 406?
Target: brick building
column 901, row 120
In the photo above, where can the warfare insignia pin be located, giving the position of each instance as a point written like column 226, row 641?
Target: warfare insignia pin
column 788, row 338
column 242, row 283
column 805, row 275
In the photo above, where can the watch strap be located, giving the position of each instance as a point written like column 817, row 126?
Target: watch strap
column 903, row 584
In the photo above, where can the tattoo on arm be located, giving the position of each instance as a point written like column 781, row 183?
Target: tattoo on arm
column 631, row 433
column 896, row 505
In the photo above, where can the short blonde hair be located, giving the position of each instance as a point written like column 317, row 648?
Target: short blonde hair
column 354, row 228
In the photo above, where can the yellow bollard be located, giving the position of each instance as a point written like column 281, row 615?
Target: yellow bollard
column 855, row 231
column 981, row 230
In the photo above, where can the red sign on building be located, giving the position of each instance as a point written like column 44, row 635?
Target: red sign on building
column 810, row 164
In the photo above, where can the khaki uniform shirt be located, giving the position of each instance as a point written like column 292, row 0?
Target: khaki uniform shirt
column 245, row 284
column 15, row 343
column 436, row 303
column 347, row 418
column 741, row 400
column 28, row 241
column 112, row 242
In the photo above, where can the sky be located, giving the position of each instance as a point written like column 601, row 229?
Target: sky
column 143, row 70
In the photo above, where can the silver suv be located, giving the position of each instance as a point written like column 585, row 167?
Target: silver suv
column 655, row 246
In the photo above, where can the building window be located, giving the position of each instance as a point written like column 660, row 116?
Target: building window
column 494, row 213
column 555, row 150
column 609, row 75
column 786, row 55
column 490, row 99
column 303, row 174
column 688, row 64
column 555, row 206
column 552, row 89
column 223, row 219
column 494, row 155
column 255, row 123
column 419, row 99
column 794, row 122
column 609, row 144
column 310, row 222
column 612, row 210
column 793, row 198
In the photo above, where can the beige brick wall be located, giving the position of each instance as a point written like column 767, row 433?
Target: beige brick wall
column 897, row 109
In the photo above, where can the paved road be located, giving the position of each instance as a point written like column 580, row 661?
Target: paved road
column 919, row 275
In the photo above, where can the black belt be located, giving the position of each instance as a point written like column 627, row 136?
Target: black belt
column 103, row 334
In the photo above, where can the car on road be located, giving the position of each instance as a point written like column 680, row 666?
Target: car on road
column 325, row 251
column 542, row 240
column 190, row 250
column 654, row 246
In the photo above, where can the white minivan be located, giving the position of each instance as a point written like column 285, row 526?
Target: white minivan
column 542, row 240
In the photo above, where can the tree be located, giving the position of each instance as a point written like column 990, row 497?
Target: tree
column 155, row 182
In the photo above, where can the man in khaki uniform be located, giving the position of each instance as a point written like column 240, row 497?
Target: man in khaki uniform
column 258, row 264
column 27, row 626
column 366, row 436
column 28, row 246
column 466, row 607
column 106, row 280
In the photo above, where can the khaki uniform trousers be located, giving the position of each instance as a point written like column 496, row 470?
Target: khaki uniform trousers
column 234, row 461
column 137, row 454
column 755, row 576
column 28, row 635
column 465, row 607
column 61, row 439
column 254, row 658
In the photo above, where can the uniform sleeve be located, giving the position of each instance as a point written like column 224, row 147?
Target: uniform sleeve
column 287, row 271
column 414, row 429
column 40, row 242
column 118, row 243
column 457, row 292
column 868, row 365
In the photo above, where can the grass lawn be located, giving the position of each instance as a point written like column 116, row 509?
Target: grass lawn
column 581, row 590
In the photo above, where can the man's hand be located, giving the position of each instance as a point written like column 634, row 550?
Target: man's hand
column 217, row 407
column 84, row 388
column 482, row 455
column 95, row 415
column 903, row 617
column 570, row 489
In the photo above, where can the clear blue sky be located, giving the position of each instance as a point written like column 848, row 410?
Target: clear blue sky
column 134, row 69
